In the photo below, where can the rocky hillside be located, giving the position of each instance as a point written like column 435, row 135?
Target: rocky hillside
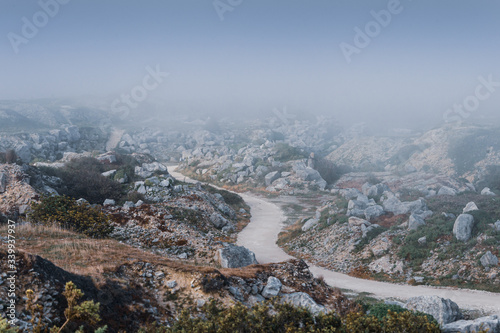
column 449, row 151
column 379, row 232
column 167, row 254
column 135, row 287
column 418, row 208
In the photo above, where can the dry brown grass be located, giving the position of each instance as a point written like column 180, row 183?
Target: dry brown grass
column 86, row 256
column 289, row 233
column 248, row 272
column 361, row 272
column 80, row 255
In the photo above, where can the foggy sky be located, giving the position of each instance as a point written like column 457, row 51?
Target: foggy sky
column 263, row 54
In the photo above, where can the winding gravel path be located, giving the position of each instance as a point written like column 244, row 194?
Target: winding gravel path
column 261, row 233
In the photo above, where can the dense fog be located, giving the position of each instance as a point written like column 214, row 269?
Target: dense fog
column 388, row 63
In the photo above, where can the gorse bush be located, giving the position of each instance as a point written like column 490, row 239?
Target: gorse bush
column 69, row 214
column 272, row 316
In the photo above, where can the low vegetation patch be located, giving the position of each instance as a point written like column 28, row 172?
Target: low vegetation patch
column 284, row 152
column 82, row 178
column 466, row 151
column 69, row 214
column 272, row 316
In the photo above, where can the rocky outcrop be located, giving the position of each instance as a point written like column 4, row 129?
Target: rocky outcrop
column 443, row 310
column 445, row 190
column 415, row 222
column 374, row 190
column 306, row 173
column 17, row 193
column 491, row 324
column 272, row 288
column 50, row 145
column 271, row 177
column 148, row 169
column 462, row 228
column 372, row 212
column 392, row 204
column 364, row 207
column 309, row 224
column 470, row 207
column 233, row 256
column 218, row 220
column 303, row 300
column 489, row 259
column 487, row 191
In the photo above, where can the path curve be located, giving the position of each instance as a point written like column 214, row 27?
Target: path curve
column 261, row 233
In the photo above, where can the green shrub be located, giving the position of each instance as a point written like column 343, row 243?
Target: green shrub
column 492, row 177
column 10, row 156
column 284, row 152
column 369, row 236
column 230, row 198
column 465, row 152
column 381, row 310
column 84, row 180
column 68, row 214
column 394, row 322
column 329, row 171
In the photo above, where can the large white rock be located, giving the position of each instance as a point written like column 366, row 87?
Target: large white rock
column 489, row 259
column 109, row 202
column 443, row 310
column 491, row 324
column 470, row 207
column 233, row 256
column 415, row 222
column 373, row 212
column 487, row 191
column 309, row 224
column 462, row 228
column 302, row 299
column 218, row 220
column 272, row 288
column 445, row 190
column 394, row 205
